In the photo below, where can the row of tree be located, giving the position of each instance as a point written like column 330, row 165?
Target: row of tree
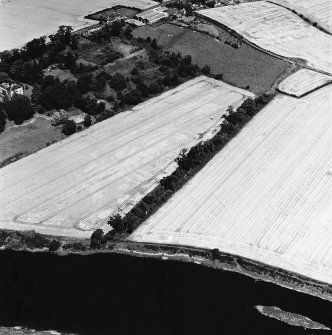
column 189, row 163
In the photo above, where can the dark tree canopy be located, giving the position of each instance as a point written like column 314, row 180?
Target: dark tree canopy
column 118, row 82
column 18, row 109
column 69, row 127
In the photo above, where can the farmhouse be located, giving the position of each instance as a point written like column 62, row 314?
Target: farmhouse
column 10, row 89
column 152, row 15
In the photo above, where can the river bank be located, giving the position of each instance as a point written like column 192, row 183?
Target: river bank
column 113, row 293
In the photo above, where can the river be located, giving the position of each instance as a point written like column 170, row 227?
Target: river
column 118, row 294
column 23, row 20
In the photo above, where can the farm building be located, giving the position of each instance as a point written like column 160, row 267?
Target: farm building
column 10, row 89
column 152, row 15
column 92, row 29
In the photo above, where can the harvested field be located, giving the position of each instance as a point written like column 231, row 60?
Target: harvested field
column 264, row 196
column 303, row 82
column 319, row 11
column 71, row 187
column 241, row 67
column 278, row 30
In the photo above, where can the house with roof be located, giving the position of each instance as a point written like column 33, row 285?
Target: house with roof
column 10, row 89
column 151, row 16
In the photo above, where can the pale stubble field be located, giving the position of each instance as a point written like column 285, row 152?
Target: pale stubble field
column 73, row 186
column 266, row 196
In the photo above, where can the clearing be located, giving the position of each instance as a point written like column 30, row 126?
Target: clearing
column 244, row 67
column 278, row 30
column 27, row 138
column 73, row 186
column 264, row 196
column 303, row 82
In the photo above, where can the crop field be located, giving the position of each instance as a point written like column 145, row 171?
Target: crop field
column 72, row 186
column 319, row 11
column 303, row 81
column 242, row 67
column 278, row 30
column 264, row 196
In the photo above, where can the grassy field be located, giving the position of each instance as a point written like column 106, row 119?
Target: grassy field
column 303, row 82
column 278, row 30
column 266, row 196
column 73, row 186
column 27, row 138
column 241, row 67
column 319, row 11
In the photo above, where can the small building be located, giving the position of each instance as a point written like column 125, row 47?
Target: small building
column 10, row 89
column 78, row 118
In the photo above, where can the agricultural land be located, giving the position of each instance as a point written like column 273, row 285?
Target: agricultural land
column 304, row 81
column 203, row 137
column 242, row 66
column 262, row 197
column 278, row 30
column 72, row 187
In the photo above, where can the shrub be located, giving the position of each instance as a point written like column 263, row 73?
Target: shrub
column 54, row 245
column 69, row 127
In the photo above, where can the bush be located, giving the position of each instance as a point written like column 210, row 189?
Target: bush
column 118, row 82
column 96, row 239
column 206, row 70
column 69, row 127
column 87, row 121
column 54, row 245
column 19, row 109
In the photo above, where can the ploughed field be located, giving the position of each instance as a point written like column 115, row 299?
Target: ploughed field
column 72, row 187
column 319, row 11
column 266, row 196
column 303, row 82
column 277, row 30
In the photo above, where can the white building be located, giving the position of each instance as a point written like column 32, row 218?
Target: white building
column 151, row 16
column 10, row 89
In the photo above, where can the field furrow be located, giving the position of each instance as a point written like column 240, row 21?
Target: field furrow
column 277, row 30
column 71, row 187
column 266, row 196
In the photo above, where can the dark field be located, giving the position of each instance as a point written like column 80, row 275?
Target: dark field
column 113, row 13
column 241, row 67
column 117, row 294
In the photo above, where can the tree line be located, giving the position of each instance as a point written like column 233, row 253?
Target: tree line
column 189, row 163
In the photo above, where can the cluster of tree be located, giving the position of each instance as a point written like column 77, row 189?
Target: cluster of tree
column 69, row 128
column 98, row 238
column 52, row 93
column 92, row 82
column 26, row 64
column 116, row 29
column 18, row 109
column 189, row 162
column 27, row 239
column 183, row 65
column 89, row 105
